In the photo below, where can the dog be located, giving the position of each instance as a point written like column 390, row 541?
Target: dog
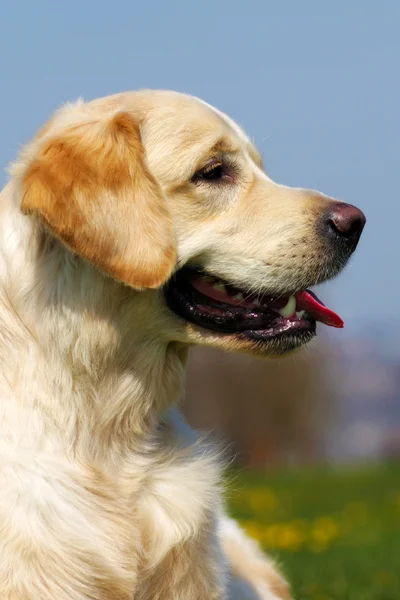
column 132, row 228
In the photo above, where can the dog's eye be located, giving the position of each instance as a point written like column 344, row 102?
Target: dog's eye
column 213, row 172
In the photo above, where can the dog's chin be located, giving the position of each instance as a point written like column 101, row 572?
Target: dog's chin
column 219, row 314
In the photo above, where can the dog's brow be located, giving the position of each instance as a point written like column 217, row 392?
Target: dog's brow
column 226, row 146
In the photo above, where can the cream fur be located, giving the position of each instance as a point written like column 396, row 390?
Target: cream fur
column 105, row 492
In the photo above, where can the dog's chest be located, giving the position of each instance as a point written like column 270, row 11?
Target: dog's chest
column 94, row 520
column 179, row 500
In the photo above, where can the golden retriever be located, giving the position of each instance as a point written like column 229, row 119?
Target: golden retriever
column 132, row 228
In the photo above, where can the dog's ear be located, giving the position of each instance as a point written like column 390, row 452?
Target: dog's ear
column 91, row 187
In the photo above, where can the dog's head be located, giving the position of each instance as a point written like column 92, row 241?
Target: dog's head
column 162, row 192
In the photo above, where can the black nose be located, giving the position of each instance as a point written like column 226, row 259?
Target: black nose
column 345, row 222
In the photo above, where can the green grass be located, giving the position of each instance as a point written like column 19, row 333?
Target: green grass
column 336, row 533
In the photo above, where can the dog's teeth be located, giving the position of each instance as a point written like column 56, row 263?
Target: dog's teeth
column 239, row 297
column 220, row 287
column 300, row 314
column 290, row 308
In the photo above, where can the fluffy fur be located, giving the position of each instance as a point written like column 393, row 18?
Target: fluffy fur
column 105, row 492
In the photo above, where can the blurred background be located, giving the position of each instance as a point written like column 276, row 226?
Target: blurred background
column 316, row 84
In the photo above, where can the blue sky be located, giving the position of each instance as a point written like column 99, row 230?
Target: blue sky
column 316, row 84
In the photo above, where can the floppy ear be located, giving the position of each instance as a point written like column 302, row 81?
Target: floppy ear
column 91, row 187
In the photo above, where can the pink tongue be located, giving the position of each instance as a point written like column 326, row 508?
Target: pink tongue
column 309, row 302
column 206, row 288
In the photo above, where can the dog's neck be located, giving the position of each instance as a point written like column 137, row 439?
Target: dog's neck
column 77, row 349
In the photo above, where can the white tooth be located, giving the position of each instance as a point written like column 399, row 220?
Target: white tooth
column 300, row 314
column 289, row 309
column 239, row 297
column 220, row 287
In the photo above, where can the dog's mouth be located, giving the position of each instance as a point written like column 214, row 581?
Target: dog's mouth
column 214, row 304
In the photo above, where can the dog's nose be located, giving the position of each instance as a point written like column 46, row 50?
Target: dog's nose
column 345, row 222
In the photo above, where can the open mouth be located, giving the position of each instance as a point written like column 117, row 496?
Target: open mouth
column 214, row 304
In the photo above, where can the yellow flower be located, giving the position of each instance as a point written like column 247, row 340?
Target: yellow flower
column 290, row 538
column 285, row 536
column 324, row 530
column 254, row 530
column 262, row 500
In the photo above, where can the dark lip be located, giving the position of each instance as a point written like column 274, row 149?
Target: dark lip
column 294, row 333
column 258, row 326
